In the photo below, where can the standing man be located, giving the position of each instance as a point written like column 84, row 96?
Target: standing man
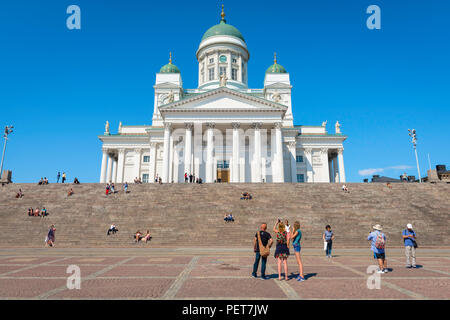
column 409, row 237
column 266, row 239
column 378, row 247
column 63, row 177
column 58, row 176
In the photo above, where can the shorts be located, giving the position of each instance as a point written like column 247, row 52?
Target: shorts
column 379, row 255
column 297, row 247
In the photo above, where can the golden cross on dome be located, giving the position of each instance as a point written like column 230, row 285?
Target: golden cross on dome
column 170, row 57
column 275, row 57
column 223, row 14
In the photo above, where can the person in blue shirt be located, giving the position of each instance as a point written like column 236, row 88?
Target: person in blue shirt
column 328, row 237
column 378, row 243
column 409, row 237
column 296, row 236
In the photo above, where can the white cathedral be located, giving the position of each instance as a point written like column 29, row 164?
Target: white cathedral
column 223, row 131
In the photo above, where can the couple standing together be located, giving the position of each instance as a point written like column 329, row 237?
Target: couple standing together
column 285, row 235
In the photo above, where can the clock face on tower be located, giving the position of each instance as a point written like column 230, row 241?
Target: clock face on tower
column 223, row 59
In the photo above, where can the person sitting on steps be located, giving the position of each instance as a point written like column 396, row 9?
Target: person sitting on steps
column 112, row 229
column 75, row 181
column 70, row 192
column 147, row 237
column 138, row 236
column 344, row 188
column 228, row 218
column 19, row 194
column 44, row 212
column 246, row 196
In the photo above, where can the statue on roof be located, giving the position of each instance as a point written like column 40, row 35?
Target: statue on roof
column 107, row 127
column 223, row 80
column 324, row 124
column 338, row 127
column 171, row 97
column 276, row 97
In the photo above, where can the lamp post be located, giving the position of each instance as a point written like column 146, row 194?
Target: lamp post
column 412, row 134
column 8, row 130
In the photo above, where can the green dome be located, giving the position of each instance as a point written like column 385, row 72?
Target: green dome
column 169, row 68
column 223, row 29
column 276, row 68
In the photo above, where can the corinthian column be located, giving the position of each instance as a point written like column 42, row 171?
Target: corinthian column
column 341, row 165
column 188, row 148
column 236, row 149
column 293, row 157
column 209, row 152
column 103, row 168
column 278, row 167
column 256, row 178
column 166, row 152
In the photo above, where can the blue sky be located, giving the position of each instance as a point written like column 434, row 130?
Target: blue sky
column 59, row 86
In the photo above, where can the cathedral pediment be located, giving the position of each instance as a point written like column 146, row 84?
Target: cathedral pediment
column 223, row 100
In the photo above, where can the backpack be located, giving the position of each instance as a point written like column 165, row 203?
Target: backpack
column 263, row 251
column 380, row 242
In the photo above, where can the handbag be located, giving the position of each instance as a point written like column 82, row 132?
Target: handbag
column 325, row 245
column 263, row 251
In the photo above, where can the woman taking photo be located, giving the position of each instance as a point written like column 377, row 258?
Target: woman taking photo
column 282, row 248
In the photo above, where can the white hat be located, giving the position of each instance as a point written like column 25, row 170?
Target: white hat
column 377, row 227
column 409, row 226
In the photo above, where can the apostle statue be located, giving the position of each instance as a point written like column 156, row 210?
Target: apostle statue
column 171, row 97
column 107, row 127
column 324, row 124
column 223, row 80
column 338, row 127
column 276, row 97
column 120, row 126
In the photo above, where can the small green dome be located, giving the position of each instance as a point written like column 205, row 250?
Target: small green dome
column 276, row 68
column 169, row 68
column 223, row 29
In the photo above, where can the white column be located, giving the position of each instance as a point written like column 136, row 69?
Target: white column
column 152, row 169
column 293, row 157
column 325, row 177
column 114, row 171
column 109, row 169
column 137, row 163
column 309, row 165
column 257, row 154
column 335, row 169
column 103, row 168
column 171, row 159
column 278, row 157
column 175, row 164
column 120, row 166
column 341, row 165
column 188, row 148
column 236, row 151
column 166, row 152
column 209, row 152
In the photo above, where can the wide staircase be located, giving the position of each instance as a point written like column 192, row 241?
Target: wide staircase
column 187, row 215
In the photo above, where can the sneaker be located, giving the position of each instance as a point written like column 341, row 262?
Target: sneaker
column 385, row 270
column 408, row 267
column 300, row 279
column 415, row 267
column 380, row 271
column 254, row 276
column 264, row 278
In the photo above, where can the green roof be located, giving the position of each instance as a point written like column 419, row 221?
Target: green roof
column 276, row 68
column 223, row 29
column 169, row 68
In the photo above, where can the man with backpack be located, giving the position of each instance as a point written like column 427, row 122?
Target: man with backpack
column 409, row 237
column 261, row 244
column 378, row 246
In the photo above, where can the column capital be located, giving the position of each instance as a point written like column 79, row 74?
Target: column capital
column 210, row 125
column 324, row 150
column 340, row 151
column 277, row 125
column 105, row 149
column 188, row 125
column 168, row 125
column 307, row 151
column 292, row 144
column 138, row 150
column 153, row 144
column 121, row 151
column 256, row 125
column 236, row 125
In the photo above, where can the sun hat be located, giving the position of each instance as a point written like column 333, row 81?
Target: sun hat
column 409, row 226
column 377, row 227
